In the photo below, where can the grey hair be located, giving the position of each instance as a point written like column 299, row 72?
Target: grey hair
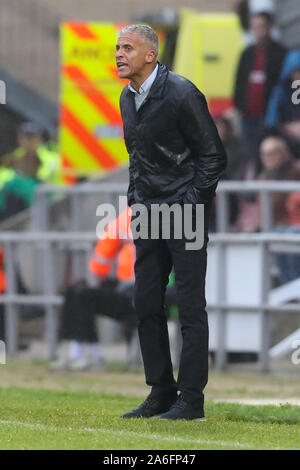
column 146, row 32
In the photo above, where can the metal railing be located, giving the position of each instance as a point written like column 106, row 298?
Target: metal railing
column 47, row 240
column 263, row 189
column 268, row 243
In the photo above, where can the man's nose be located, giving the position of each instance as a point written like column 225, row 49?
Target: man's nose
column 119, row 54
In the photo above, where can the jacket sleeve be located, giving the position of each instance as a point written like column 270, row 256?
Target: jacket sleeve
column 201, row 136
column 130, row 191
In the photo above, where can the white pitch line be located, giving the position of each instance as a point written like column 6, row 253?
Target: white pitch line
column 261, row 401
column 128, row 433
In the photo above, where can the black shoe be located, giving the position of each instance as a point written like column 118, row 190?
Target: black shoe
column 184, row 410
column 152, row 407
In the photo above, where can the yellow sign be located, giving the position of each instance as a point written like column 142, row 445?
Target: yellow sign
column 207, row 51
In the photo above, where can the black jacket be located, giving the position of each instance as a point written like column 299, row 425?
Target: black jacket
column 175, row 152
column 274, row 57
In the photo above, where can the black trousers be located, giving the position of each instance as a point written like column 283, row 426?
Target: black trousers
column 154, row 261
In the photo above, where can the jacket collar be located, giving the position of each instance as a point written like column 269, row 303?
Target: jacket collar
column 158, row 87
column 145, row 87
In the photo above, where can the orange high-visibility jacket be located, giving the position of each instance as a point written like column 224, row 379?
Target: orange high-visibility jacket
column 2, row 273
column 114, row 253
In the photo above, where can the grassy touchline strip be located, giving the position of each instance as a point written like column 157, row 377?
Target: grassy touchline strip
column 284, row 414
column 127, row 433
column 86, row 419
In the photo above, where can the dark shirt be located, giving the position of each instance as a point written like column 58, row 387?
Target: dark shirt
column 256, row 102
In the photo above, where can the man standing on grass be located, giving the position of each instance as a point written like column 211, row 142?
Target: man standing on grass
column 176, row 157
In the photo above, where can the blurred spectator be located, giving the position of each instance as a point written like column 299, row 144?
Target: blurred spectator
column 246, row 8
column 282, row 111
column 238, row 157
column 32, row 158
column 30, row 164
column 6, row 174
column 278, row 164
column 289, row 264
column 50, row 141
column 293, row 208
column 82, row 304
column 257, row 73
column 16, row 195
column 238, row 161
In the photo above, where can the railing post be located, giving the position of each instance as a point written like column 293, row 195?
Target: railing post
column 76, row 226
column 91, row 279
column 221, row 354
column 49, row 289
column 40, row 213
column 222, row 211
column 265, row 314
column 266, row 211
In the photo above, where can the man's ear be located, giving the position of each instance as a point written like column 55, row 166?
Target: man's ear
column 150, row 57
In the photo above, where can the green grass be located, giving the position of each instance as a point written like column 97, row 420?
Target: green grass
column 55, row 419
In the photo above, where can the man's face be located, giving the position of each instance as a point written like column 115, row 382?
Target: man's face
column 272, row 153
column 260, row 28
column 133, row 54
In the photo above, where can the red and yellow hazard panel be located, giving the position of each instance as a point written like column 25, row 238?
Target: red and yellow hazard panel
column 91, row 136
column 91, row 131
